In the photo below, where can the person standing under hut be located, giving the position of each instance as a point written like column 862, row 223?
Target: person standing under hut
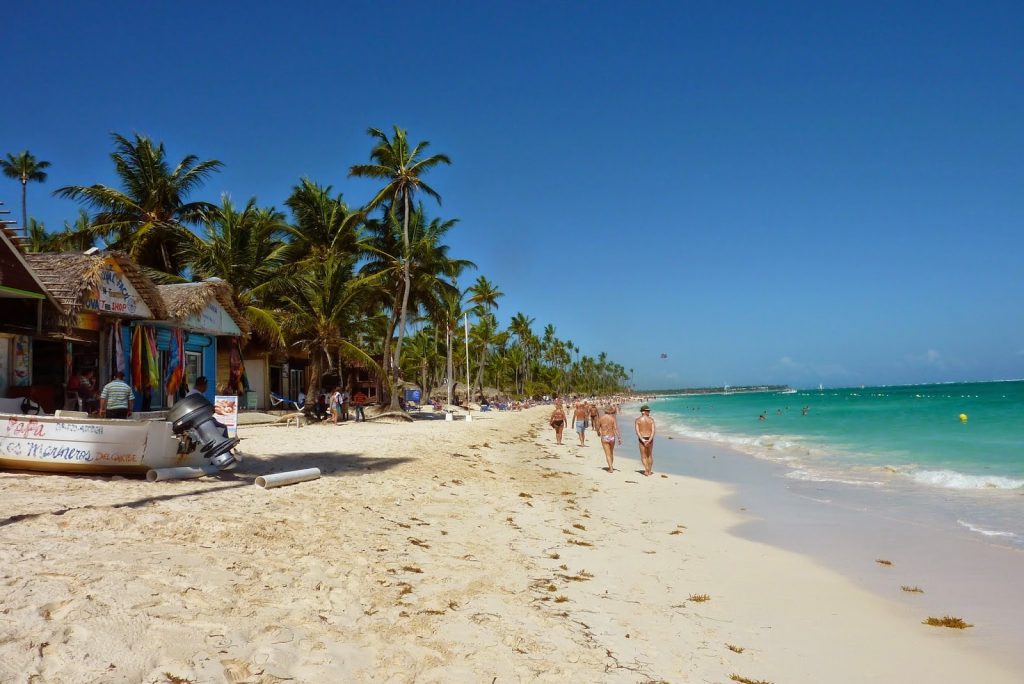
column 359, row 400
column 116, row 398
column 608, row 428
column 644, row 427
column 558, row 421
column 336, row 405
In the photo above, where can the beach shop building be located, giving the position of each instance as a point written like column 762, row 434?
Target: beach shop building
column 98, row 295
column 23, row 302
column 110, row 316
column 203, row 320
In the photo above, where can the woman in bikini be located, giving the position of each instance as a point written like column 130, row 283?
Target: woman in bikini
column 608, row 428
column 644, row 427
column 558, row 421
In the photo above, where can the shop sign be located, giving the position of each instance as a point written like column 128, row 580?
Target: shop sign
column 115, row 295
column 212, row 319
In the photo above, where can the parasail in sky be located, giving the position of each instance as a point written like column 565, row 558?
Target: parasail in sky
column 664, row 355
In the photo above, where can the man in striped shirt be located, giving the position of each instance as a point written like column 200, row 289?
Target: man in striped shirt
column 116, row 398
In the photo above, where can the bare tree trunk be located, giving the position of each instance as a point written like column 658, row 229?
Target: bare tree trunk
column 405, row 303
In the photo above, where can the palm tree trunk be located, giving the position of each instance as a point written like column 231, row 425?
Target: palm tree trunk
column 480, row 372
column 405, row 302
column 24, row 209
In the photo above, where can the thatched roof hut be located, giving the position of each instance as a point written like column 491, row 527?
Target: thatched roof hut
column 70, row 277
column 189, row 299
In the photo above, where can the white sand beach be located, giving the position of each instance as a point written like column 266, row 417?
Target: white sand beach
column 432, row 552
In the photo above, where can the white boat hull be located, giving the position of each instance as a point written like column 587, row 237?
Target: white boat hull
column 90, row 445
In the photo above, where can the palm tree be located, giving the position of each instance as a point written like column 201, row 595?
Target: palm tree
column 38, row 239
column 246, row 249
column 148, row 217
column 448, row 319
column 322, row 310
column 484, row 294
column 429, row 267
column 322, row 223
column 402, row 167
column 75, row 237
column 483, row 334
column 25, row 167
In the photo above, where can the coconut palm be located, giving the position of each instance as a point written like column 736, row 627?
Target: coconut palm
column 483, row 334
column 484, row 294
column 322, row 309
column 322, row 223
column 448, row 319
column 246, row 249
column 25, row 167
column 75, row 237
column 147, row 217
column 38, row 239
column 429, row 268
column 402, row 166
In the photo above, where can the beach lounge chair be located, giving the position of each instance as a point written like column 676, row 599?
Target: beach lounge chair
column 277, row 400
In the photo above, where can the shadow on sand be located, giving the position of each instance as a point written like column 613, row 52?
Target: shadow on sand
column 331, row 464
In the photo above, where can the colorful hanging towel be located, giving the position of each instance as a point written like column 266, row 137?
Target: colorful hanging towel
column 176, row 362
column 137, row 353
column 118, row 348
column 237, row 380
column 152, row 359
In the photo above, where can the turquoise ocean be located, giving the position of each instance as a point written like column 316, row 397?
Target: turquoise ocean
column 900, row 438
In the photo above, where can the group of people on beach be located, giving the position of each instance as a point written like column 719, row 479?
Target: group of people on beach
column 585, row 413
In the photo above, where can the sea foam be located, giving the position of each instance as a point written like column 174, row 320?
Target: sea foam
column 987, row 533
column 951, row 479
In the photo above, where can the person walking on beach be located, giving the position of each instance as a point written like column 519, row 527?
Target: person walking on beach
column 608, row 428
column 594, row 416
column 336, row 405
column 644, row 427
column 358, row 401
column 116, row 398
column 344, row 404
column 558, row 421
column 580, row 418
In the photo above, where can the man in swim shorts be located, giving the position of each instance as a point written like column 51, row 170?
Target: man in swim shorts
column 594, row 415
column 644, row 426
column 608, row 428
column 580, row 418
column 558, row 421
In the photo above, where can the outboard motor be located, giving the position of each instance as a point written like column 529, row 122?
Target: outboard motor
column 194, row 416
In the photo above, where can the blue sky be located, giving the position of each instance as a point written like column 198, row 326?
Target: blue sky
column 799, row 193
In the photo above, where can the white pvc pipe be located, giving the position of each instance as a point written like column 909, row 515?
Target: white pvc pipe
column 183, row 473
column 291, row 477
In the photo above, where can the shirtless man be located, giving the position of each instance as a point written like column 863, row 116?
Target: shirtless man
column 594, row 415
column 608, row 428
column 644, row 426
column 580, row 418
column 558, row 421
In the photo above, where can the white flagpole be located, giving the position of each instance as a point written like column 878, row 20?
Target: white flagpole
column 467, row 362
